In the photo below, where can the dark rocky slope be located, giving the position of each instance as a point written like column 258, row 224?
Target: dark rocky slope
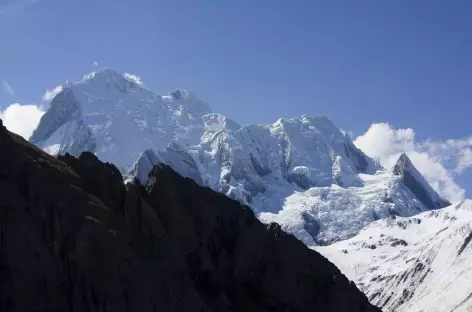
column 73, row 237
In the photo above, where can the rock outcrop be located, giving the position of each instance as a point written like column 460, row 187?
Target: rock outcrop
column 74, row 237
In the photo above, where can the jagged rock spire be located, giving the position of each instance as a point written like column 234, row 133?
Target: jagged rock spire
column 415, row 182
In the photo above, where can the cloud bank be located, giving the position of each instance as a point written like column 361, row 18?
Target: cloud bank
column 21, row 119
column 437, row 160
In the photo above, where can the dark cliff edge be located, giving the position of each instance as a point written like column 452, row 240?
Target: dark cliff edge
column 73, row 237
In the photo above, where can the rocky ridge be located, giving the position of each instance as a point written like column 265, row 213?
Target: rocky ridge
column 74, row 237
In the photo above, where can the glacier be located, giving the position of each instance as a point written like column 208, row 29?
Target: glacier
column 303, row 172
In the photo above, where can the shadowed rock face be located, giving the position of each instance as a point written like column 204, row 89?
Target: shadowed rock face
column 73, row 237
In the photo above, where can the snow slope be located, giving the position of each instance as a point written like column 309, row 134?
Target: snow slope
column 422, row 263
column 322, row 215
column 302, row 172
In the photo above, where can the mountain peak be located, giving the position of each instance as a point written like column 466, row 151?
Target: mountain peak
column 101, row 74
column 404, row 159
column 104, row 78
column 413, row 179
column 112, row 114
column 403, row 165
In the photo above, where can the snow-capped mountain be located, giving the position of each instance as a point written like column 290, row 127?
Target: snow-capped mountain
column 303, row 172
column 117, row 118
column 421, row 263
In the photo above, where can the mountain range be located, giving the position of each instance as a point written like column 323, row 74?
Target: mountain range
column 303, row 172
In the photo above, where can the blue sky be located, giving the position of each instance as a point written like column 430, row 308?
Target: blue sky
column 406, row 63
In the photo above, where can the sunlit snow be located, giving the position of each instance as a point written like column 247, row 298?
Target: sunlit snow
column 420, row 264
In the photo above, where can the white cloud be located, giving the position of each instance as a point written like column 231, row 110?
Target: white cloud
column 465, row 160
column 50, row 94
column 95, row 64
column 7, row 88
column 437, row 160
column 21, row 119
column 134, row 78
